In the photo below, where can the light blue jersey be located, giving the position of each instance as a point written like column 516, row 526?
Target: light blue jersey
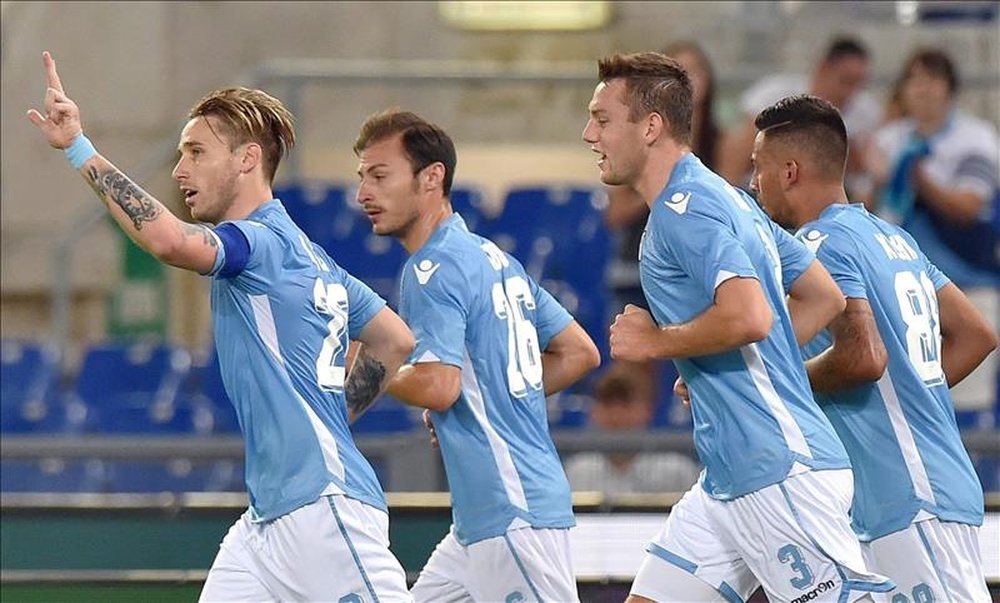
column 282, row 325
column 471, row 305
column 755, row 420
column 899, row 432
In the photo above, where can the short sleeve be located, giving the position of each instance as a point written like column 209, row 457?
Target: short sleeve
column 795, row 257
column 437, row 312
column 260, row 262
column 550, row 316
column 362, row 303
column 837, row 253
column 709, row 251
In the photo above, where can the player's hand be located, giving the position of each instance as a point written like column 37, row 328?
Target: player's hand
column 682, row 392
column 430, row 427
column 634, row 335
column 61, row 120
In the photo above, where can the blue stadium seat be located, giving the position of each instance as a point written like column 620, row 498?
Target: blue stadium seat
column 205, row 395
column 471, row 203
column 387, row 415
column 52, row 475
column 130, row 388
column 174, row 475
column 29, row 402
column 568, row 411
column 330, row 216
column 558, row 234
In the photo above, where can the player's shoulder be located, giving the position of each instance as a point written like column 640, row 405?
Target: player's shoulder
column 835, row 230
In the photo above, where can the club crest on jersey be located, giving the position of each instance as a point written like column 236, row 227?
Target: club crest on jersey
column 678, row 202
column 813, row 239
column 425, row 270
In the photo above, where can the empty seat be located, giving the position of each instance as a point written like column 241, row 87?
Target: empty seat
column 52, row 475
column 387, row 415
column 29, row 402
column 174, row 475
column 134, row 388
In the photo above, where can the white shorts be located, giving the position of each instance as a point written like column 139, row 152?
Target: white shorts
column 334, row 549
column 793, row 538
column 525, row 564
column 930, row 560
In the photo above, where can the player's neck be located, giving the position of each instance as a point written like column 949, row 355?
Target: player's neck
column 659, row 168
column 424, row 226
column 818, row 198
column 247, row 202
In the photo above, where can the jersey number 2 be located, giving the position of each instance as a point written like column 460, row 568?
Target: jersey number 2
column 331, row 300
column 524, row 359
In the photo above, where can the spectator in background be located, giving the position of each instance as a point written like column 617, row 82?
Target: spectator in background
column 936, row 173
column 623, row 403
column 627, row 213
column 838, row 79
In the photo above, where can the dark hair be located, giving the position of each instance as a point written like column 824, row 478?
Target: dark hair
column 842, row 47
column 424, row 142
column 654, row 83
column 616, row 384
column 247, row 115
column 812, row 125
column 937, row 63
column 706, row 139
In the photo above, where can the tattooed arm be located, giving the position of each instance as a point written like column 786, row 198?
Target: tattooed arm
column 386, row 341
column 857, row 355
column 143, row 218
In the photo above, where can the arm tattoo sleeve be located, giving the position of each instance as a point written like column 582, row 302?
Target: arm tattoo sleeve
column 198, row 230
column 112, row 186
column 364, row 383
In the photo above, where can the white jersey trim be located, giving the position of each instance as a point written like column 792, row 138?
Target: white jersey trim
column 762, row 381
column 904, row 437
column 501, row 452
column 269, row 334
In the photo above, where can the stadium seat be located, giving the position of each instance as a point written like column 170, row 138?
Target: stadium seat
column 387, row 415
column 174, row 475
column 205, row 394
column 52, row 475
column 470, row 203
column 130, row 388
column 558, row 234
column 330, row 216
column 30, row 402
column 568, row 411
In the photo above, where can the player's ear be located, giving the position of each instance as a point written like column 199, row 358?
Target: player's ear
column 432, row 176
column 656, row 125
column 790, row 173
column 252, row 155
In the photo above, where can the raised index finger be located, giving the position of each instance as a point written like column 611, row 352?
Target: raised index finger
column 51, row 77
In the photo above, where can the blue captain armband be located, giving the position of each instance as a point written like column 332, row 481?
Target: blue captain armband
column 80, row 151
column 234, row 251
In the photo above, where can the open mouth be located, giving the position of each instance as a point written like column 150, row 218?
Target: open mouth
column 189, row 195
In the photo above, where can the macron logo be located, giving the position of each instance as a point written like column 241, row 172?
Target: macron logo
column 678, row 202
column 425, row 270
column 813, row 239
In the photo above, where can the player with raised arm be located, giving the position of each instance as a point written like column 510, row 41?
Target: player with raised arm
column 491, row 344
column 283, row 314
column 882, row 371
column 772, row 506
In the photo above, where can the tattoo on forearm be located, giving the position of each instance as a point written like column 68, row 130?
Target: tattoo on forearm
column 364, row 383
column 194, row 230
column 113, row 186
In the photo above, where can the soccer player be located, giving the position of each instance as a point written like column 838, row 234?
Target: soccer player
column 283, row 312
column 491, row 344
column 771, row 507
column 907, row 335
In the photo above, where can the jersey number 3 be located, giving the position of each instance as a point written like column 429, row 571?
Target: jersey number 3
column 524, row 359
